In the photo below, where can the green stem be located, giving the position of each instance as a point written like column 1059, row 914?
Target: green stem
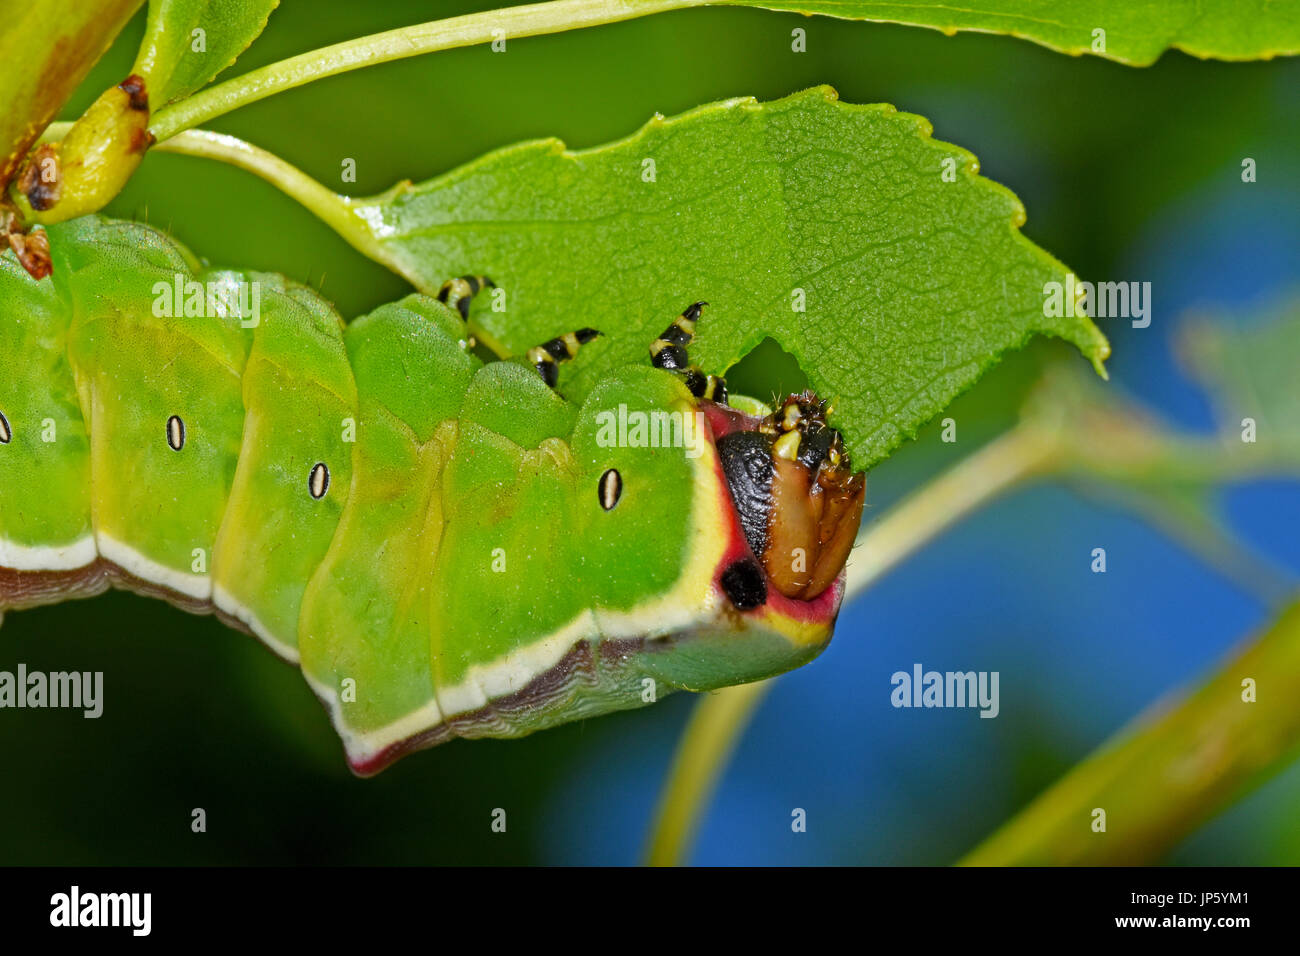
column 1173, row 768
column 513, row 22
column 343, row 214
column 704, row 751
column 335, row 210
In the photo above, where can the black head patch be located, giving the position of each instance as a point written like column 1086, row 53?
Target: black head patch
column 747, row 462
column 743, row 582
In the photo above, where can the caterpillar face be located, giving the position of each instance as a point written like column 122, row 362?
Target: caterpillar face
column 795, row 493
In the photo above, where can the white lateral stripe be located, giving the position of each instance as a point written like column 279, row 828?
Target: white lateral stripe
column 223, row 600
column 362, row 747
column 514, row 671
column 128, row 559
column 63, row 557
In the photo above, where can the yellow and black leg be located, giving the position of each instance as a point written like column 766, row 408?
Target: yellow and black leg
column 669, row 352
column 459, row 292
column 547, row 356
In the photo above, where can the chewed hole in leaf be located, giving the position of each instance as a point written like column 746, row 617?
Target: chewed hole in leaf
column 843, row 242
column 767, row 373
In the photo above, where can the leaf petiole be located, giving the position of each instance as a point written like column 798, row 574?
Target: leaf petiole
column 531, row 19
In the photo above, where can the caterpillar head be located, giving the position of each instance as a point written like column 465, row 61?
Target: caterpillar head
column 795, row 493
column 715, row 541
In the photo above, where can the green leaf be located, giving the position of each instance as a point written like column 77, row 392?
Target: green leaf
column 911, row 269
column 1134, row 33
column 188, row 42
column 1250, row 371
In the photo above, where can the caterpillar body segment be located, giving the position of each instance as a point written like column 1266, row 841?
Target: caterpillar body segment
column 444, row 547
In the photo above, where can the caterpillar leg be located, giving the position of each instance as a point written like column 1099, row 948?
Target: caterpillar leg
column 547, row 356
column 459, row 292
column 669, row 352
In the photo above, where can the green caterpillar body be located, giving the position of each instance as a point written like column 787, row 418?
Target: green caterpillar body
column 436, row 541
